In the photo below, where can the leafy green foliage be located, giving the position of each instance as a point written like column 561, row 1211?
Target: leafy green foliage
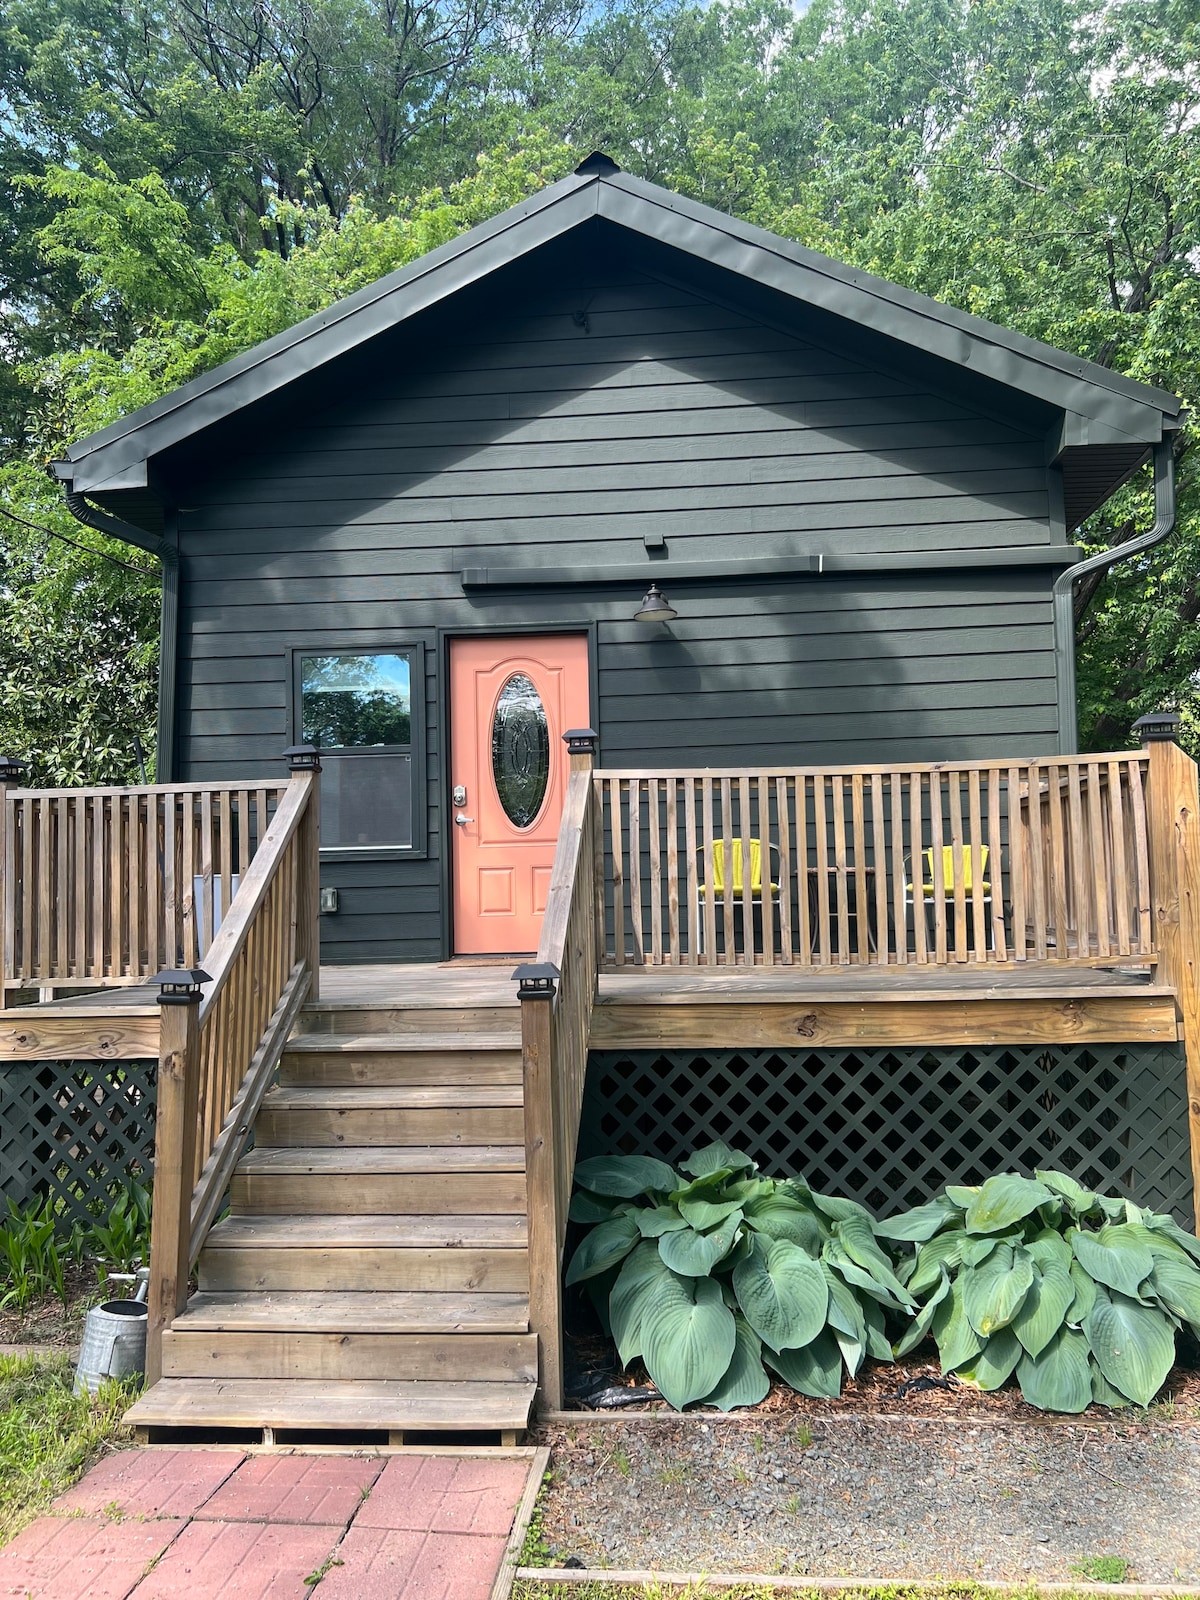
column 38, row 1245
column 711, row 1274
column 1081, row 1295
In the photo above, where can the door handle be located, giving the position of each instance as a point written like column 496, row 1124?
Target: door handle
column 462, row 821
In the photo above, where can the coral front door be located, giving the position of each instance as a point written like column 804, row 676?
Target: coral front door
column 511, row 701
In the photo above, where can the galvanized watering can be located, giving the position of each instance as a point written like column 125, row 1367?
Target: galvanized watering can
column 114, row 1338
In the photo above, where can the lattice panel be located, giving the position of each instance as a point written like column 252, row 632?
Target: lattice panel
column 890, row 1127
column 75, row 1130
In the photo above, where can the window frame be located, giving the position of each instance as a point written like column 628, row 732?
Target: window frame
column 414, row 651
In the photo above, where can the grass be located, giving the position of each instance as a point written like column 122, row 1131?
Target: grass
column 747, row 1591
column 49, row 1436
column 1103, row 1569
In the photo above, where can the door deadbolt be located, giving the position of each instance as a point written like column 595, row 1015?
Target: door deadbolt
column 458, row 795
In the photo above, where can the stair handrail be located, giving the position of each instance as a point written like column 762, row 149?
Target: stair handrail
column 557, row 992
column 221, row 1034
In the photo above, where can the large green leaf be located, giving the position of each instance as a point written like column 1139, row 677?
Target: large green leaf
column 654, row 1221
column 1085, row 1295
column 846, row 1320
column 1060, row 1379
column 919, row 1224
column 1103, row 1393
column 589, row 1208
column 957, row 1340
column 641, row 1277
column 1079, row 1199
column 975, row 1250
column 961, row 1194
column 857, row 1237
column 1003, row 1200
column 746, row 1382
column 815, row 1370
column 1049, row 1248
column 782, row 1292
column 1044, row 1309
column 715, row 1157
column 687, row 1334
column 625, row 1176
column 607, row 1243
column 694, row 1254
column 943, row 1251
column 994, row 1292
column 860, row 1278
column 839, row 1210
column 923, row 1321
column 1114, row 1257
column 707, row 1213
column 781, row 1217
column 878, row 1345
column 995, row 1363
column 1134, row 1345
column 1170, row 1229
column 1177, row 1284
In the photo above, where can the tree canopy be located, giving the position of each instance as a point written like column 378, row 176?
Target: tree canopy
column 183, row 178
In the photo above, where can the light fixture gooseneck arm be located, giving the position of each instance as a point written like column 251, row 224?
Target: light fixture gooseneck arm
column 1064, row 584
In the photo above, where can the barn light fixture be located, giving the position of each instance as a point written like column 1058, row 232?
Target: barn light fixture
column 655, row 607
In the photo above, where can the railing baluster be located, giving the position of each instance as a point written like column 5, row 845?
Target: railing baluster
column 957, row 864
column 916, row 862
column 975, row 823
column 1120, row 880
column 727, row 858
column 1018, row 866
column 745, row 830
column 710, row 893
column 938, row 873
column 840, row 866
column 1137, row 803
column 995, row 841
column 784, row 823
column 635, row 871
column 802, row 877
column 822, row 843
column 692, row 908
column 1079, row 848
column 1058, row 861
column 899, row 891
column 672, row 821
column 1101, row 858
column 616, row 788
column 656, row 887
column 861, row 950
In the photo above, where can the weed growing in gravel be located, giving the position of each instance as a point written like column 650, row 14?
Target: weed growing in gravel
column 802, row 1437
column 739, row 1474
column 679, row 1473
column 535, row 1552
column 620, row 1460
column 1102, row 1569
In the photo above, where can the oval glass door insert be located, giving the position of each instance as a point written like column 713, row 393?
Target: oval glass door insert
column 520, row 750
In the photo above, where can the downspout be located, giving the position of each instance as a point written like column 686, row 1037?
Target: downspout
column 168, row 555
column 1064, row 610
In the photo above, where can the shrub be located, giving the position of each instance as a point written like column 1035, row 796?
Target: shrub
column 1081, row 1295
column 708, row 1276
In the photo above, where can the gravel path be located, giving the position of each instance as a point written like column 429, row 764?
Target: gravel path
column 870, row 1496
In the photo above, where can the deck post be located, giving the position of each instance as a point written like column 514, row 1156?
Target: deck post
column 175, row 1134
column 536, row 992
column 1173, row 817
column 304, row 764
column 11, row 773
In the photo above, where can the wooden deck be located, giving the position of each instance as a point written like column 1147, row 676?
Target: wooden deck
column 660, row 1007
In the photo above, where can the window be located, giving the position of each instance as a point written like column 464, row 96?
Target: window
column 358, row 707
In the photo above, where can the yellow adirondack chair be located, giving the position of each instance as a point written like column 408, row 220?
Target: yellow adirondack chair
column 949, row 851
column 754, row 850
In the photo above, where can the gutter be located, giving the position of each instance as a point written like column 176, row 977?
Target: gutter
column 1064, row 611
column 168, row 554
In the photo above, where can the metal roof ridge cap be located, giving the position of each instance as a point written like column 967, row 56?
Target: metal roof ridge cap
column 370, row 293
column 905, row 299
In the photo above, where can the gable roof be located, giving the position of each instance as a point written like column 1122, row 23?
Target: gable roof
column 1108, row 419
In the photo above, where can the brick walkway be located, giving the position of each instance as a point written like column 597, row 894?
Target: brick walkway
column 165, row 1524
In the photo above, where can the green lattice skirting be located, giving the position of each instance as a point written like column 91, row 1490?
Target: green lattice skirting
column 75, row 1130
column 890, row 1127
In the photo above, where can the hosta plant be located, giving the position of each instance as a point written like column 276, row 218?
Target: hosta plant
column 1079, row 1294
column 709, row 1273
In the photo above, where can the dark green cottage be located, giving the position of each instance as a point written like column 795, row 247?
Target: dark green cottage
column 418, row 526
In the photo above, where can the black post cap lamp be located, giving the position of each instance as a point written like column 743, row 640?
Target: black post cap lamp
column 655, row 607
column 180, row 987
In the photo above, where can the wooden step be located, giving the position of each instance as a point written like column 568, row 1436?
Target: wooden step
column 386, row 1058
column 394, row 1405
column 398, row 1115
column 442, row 1180
column 322, row 1253
column 427, row 1018
column 401, row 1312
column 336, row 1357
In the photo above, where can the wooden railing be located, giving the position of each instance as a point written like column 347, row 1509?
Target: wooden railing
column 105, row 887
column 218, row 1054
column 557, row 992
column 973, row 861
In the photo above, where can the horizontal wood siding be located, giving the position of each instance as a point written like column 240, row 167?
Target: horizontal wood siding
column 531, row 439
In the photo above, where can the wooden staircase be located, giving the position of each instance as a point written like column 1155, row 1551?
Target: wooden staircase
column 372, row 1276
